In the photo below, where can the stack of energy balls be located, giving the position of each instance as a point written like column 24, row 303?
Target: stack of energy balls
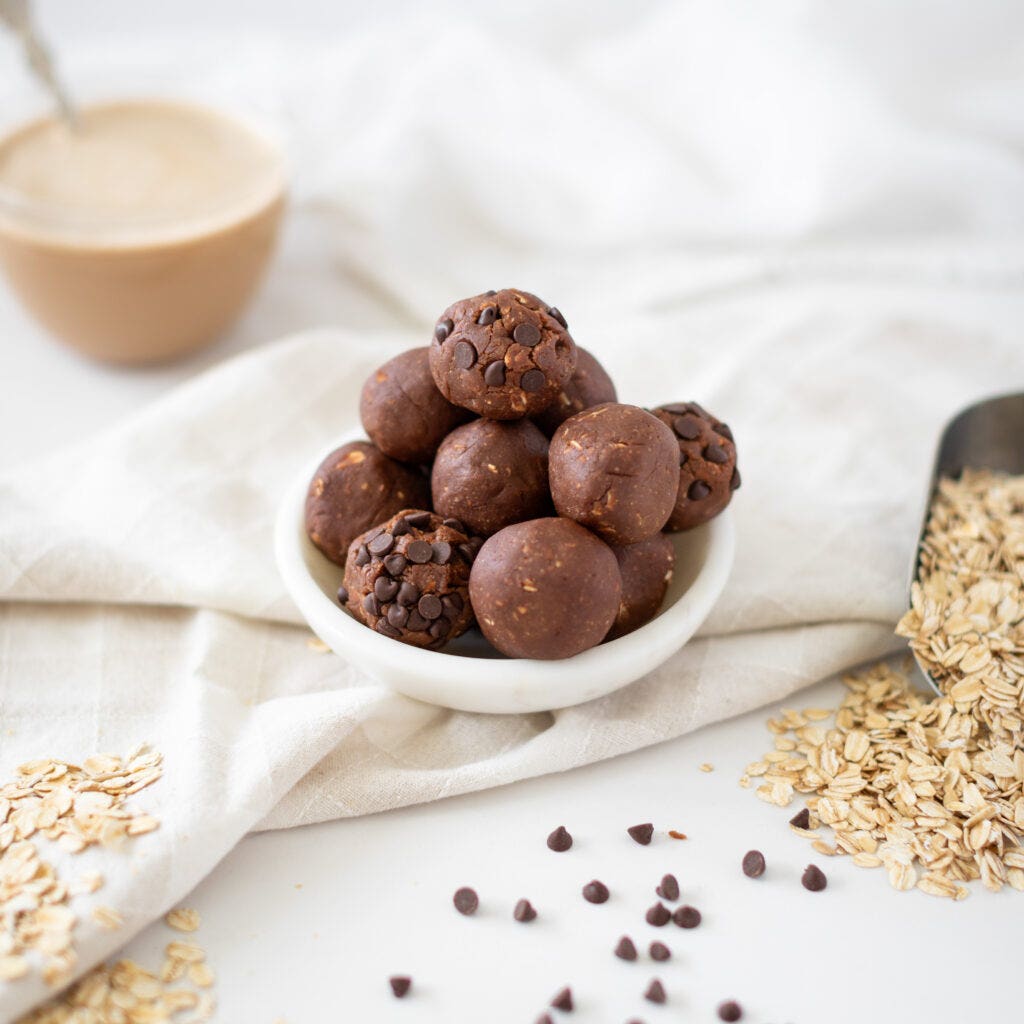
column 504, row 485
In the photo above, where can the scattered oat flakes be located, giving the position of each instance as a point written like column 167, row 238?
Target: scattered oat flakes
column 107, row 917
column 707, row 767
column 183, row 919
column 314, row 643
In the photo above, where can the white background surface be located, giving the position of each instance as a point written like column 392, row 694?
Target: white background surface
column 305, row 925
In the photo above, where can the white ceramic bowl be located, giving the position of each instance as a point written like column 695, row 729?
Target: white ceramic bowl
column 469, row 674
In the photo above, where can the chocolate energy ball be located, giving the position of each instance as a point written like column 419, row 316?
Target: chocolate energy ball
column 589, row 385
column 707, row 464
column 353, row 488
column 402, row 410
column 491, row 473
column 615, row 469
column 646, row 571
column 546, row 588
column 408, row 578
column 503, row 355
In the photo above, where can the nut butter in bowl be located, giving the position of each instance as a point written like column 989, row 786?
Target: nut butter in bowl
column 139, row 234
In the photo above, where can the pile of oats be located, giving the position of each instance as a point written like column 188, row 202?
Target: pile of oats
column 931, row 788
column 126, row 992
column 74, row 807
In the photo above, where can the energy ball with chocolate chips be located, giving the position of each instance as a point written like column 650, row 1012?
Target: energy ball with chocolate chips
column 503, row 355
column 546, row 588
column 589, row 385
column 646, row 571
column 408, row 578
column 615, row 469
column 491, row 474
column 355, row 487
column 402, row 410
column 707, row 464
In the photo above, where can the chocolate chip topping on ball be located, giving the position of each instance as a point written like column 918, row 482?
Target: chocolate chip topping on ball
column 402, row 410
column 491, row 474
column 503, row 354
column 353, row 488
column 546, row 588
column 589, row 385
column 408, row 578
column 707, row 464
column 615, row 469
column 646, row 571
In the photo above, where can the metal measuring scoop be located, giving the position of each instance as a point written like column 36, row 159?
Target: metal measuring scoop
column 986, row 435
column 17, row 15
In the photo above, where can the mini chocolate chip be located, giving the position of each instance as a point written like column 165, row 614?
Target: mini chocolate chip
column 532, row 380
column 675, row 408
column 659, row 915
column 687, row 917
column 683, row 457
column 686, row 428
column 420, row 552
column 418, row 520
column 467, row 552
column 802, row 819
column 443, row 329
column 659, row 951
column 400, row 985
column 669, row 888
column 526, row 334
column 734, row 483
column 385, row 627
column 544, row 1018
column 381, row 544
column 487, row 316
column 385, row 588
column 722, row 429
column 595, row 892
column 625, row 950
column 464, row 355
column 342, row 595
column 466, row 901
column 559, row 840
column 813, row 878
column 452, row 604
column 641, row 833
column 454, row 524
column 655, row 992
column 429, row 606
column 440, row 628
column 416, row 623
column 362, row 556
column 730, row 1011
column 394, row 564
column 753, row 864
column 490, row 292
column 556, row 313
column 371, row 604
column 397, row 615
column 716, row 453
column 408, row 593
column 698, row 490
column 524, row 911
column 400, row 527
column 563, row 1001
column 494, row 375
column 442, row 552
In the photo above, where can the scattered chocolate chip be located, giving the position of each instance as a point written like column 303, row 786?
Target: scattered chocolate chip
column 443, row 329
column 466, row 901
column 559, row 840
column 371, row 605
column 625, row 950
column 400, row 527
column 563, row 1001
column 532, row 380
column 722, row 429
column 381, row 544
column 686, row 917
column 487, row 316
column 687, row 429
column 753, row 864
column 544, row 1018
column 385, row 588
column 386, row 629
column 524, row 911
column 452, row 604
column 734, row 483
column 669, row 888
column 467, row 552
column 394, row 564
column 641, row 833
column 802, row 819
column 655, row 992
column 676, row 408
column 813, row 878
column 397, row 615
column 408, row 594
column 400, row 985
column 557, row 315
column 683, row 457
column 494, row 375
column 363, row 556
column 659, row 915
column 420, row 552
column 659, row 951
column 439, row 628
column 526, row 334
column 595, row 892
column 676, row 835
column 416, row 622
column 464, row 356
column 716, row 453
column 418, row 520
column 342, row 595
column 490, row 293
column 442, row 552
column 697, row 490
column 454, row 524
column 730, row 1011
column 429, row 606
